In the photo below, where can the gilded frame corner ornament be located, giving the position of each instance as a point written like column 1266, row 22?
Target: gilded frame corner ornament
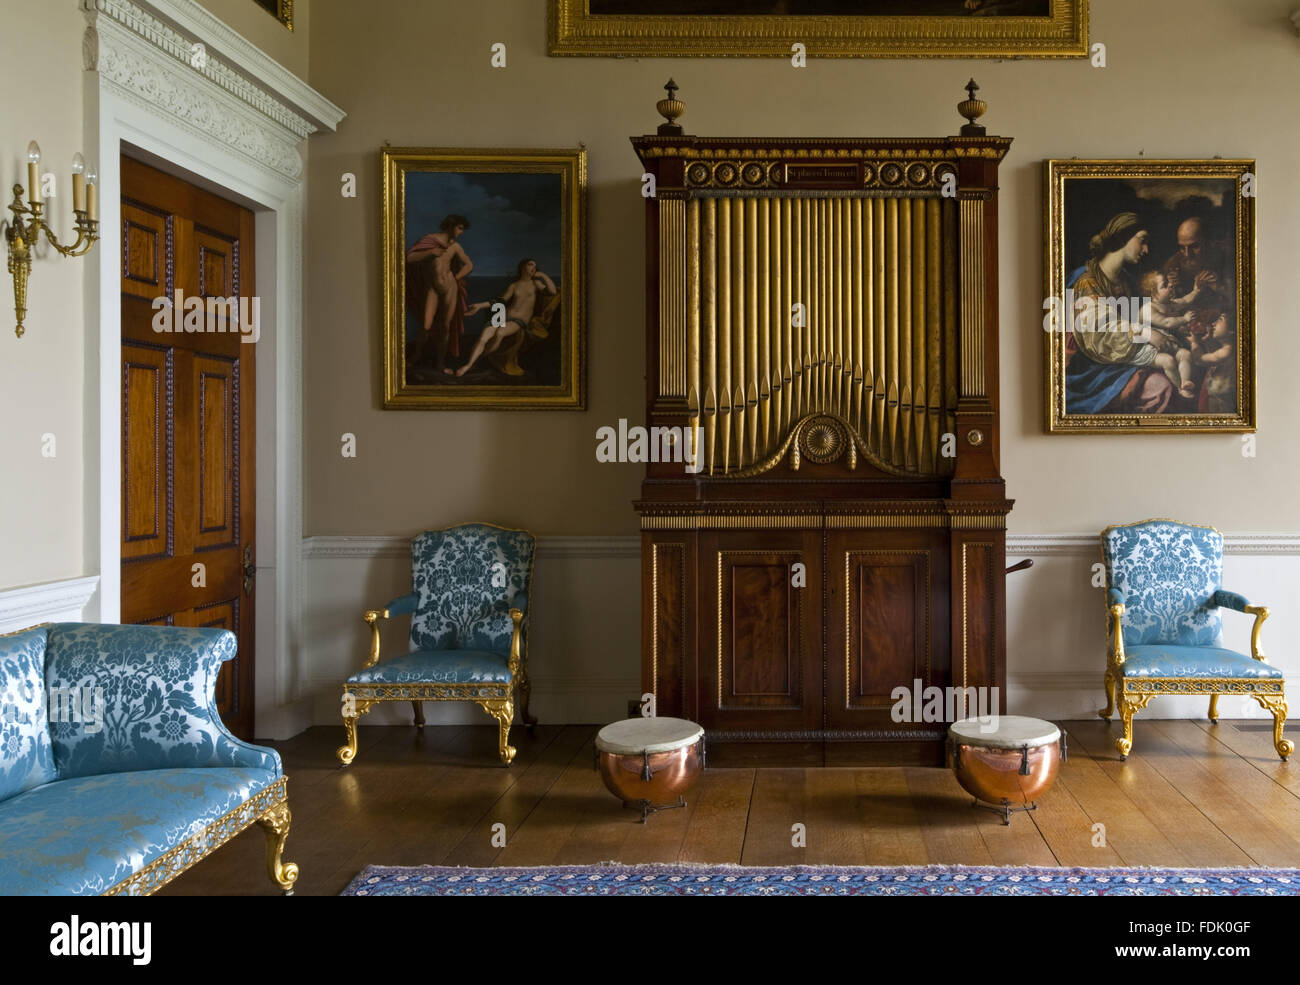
column 281, row 10
column 573, row 30
column 571, row 165
column 1056, row 419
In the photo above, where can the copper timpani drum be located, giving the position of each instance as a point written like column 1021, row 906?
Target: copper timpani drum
column 1006, row 761
column 649, row 762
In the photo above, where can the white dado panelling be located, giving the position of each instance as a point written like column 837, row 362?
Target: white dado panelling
column 585, row 650
column 53, row 601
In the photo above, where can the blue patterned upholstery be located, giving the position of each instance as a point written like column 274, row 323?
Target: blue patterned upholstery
column 26, row 752
column 438, row 667
column 1167, row 573
column 1171, row 660
column 158, row 685
column 465, row 579
column 1165, row 636
column 124, row 756
column 83, row 836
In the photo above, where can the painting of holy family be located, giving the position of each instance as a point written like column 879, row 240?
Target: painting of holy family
column 483, row 275
column 1150, row 295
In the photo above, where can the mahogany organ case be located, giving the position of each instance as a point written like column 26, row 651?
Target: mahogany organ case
column 821, row 324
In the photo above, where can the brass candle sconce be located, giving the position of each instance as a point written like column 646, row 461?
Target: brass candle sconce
column 25, row 229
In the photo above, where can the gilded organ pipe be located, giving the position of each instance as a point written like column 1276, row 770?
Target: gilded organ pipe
column 843, row 305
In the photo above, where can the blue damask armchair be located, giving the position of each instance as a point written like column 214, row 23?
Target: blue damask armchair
column 469, row 633
column 1164, row 591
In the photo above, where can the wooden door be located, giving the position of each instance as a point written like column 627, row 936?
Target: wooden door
column 188, row 435
column 886, row 628
column 760, row 646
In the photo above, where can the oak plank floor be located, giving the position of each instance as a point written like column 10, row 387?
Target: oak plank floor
column 1191, row 794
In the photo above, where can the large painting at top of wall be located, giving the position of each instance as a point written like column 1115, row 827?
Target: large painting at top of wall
column 822, row 28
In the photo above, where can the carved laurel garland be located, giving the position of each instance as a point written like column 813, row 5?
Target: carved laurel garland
column 151, row 63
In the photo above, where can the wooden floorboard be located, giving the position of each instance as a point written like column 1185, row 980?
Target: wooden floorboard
column 1191, row 794
column 715, row 833
column 1162, row 802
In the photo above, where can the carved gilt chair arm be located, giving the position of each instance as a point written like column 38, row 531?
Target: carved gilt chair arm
column 516, row 639
column 1115, row 607
column 1239, row 603
column 399, row 606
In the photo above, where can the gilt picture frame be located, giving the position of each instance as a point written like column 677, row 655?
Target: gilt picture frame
column 484, row 279
column 1149, row 300
column 825, row 28
column 281, row 10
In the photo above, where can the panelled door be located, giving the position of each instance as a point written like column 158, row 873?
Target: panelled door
column 761, row 635
column 188, row 438
column 887, row 625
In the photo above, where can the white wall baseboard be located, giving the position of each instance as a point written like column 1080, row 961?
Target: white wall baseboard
column 53, row 601
column 585, row 649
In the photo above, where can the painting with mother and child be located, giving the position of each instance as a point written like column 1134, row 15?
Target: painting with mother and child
column 1150, row 296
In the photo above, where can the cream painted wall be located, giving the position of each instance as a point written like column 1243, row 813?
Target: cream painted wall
column 1184, row 78
column 289, row 48
column 42, row 375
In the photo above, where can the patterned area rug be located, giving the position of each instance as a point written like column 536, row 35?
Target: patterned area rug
column 612, row 879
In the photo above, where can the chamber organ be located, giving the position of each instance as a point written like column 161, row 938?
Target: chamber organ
column 821, row 324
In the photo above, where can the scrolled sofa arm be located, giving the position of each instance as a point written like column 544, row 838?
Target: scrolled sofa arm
column 128, row 698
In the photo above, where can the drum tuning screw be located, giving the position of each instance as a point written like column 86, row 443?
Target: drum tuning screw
column 1024, row 761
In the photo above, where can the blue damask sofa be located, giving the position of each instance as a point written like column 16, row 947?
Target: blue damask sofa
column 116, row 773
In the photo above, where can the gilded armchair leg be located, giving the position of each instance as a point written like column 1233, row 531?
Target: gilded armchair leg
column 1129, row 705
column 348, row 751
column 419, row 713
column 1276, row 704
column 523, row 691
column 275, row 823
column 1109, row 685
column 1214, row 708
column 503, row 710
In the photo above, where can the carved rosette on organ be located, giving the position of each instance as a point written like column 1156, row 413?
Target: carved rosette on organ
column 821, row 323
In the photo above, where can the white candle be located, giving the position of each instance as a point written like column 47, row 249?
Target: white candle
column 78, row 183
column 92, row 193
column 34, row 173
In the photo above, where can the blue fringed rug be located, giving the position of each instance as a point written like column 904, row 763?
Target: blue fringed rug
column 612, row 879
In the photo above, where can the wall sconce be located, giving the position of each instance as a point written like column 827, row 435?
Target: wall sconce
column 24, row 231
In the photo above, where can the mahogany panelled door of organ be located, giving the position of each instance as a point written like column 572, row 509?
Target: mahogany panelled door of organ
column 188, row 437
column 822, row 327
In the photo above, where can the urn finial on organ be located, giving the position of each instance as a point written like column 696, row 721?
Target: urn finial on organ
column 670, row 109
column 972, row 109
